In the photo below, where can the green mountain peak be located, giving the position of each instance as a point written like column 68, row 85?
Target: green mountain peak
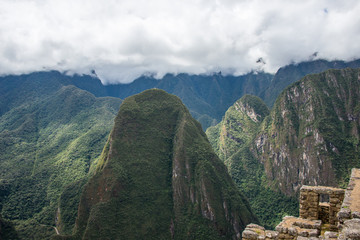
column 159, row 178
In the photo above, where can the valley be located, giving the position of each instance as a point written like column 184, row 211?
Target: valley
column 248, row 167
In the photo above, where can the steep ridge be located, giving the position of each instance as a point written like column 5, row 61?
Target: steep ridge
column 232, row 140
column 158, row 177
column 312, row 134
column 51, row 134
column 238, row 126
column 289, row 74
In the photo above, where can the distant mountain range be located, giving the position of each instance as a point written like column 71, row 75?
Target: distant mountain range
column 53, row 128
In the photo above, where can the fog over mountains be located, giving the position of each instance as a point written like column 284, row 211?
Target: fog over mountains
column 122, row 40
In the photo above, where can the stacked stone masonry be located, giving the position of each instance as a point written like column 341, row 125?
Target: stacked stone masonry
column 325, row 213
column 311, row 208
column 349, row 215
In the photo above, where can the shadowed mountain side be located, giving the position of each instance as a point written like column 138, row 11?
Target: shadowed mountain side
column 158, row 178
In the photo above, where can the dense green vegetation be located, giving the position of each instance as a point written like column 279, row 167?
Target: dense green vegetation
column 232, row 140
column 158, row 177
column 51, row 134
column 315, row 120
column 7, row 230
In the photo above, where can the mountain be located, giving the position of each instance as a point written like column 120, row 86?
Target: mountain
column 158, row 178
column 312, row 133
column 289, row 74
column 232, row 139
column 51, row 134
column 310, row 137
column 238, row 126
column 206, row 96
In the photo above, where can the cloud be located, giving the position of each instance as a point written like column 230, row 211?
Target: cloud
column 121, row 40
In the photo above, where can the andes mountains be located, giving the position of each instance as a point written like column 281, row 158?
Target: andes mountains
column 54, row 126
column 158, row 178
column 310, row 137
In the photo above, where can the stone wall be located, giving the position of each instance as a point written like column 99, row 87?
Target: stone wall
column 310, row 207
column 341, row 214
column 349, row 215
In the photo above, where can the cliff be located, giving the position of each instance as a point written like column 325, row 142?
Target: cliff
column 312, row 134
column 158, row 177
column 237, row 126
column 233, row 140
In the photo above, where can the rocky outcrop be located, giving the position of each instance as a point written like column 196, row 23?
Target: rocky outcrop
column 312, row 134
column 159, row 178
column 232, row 140
column 312, row 224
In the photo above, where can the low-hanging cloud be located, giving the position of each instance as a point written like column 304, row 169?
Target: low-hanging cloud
column 121, row 40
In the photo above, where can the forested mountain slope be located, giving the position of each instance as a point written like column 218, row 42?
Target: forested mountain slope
column 232, row 139
column 51, row 133
column 158, row 178
column 312, row 134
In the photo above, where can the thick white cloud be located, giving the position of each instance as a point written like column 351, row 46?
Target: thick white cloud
column 124, row 39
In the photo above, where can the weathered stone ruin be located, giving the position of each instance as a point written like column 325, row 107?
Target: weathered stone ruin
column 325, row 213
column 321, row 203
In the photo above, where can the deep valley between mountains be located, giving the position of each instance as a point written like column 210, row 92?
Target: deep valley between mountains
column 182, row 157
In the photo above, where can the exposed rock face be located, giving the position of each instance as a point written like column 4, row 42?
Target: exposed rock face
column 312, row 134
column 232, row 140
column 159, row 178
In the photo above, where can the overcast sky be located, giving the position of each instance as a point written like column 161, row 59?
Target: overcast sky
column 123, row 39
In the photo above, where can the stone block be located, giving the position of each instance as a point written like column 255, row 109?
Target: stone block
column 282, row 235
column 355, row 214
column 303, row 233
column 271, row 234
column 248, row 234
column 344, row 213
column 292, row 231
column 314, row 233
column 330, row 235
column 280, row 229
column 253, row 225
